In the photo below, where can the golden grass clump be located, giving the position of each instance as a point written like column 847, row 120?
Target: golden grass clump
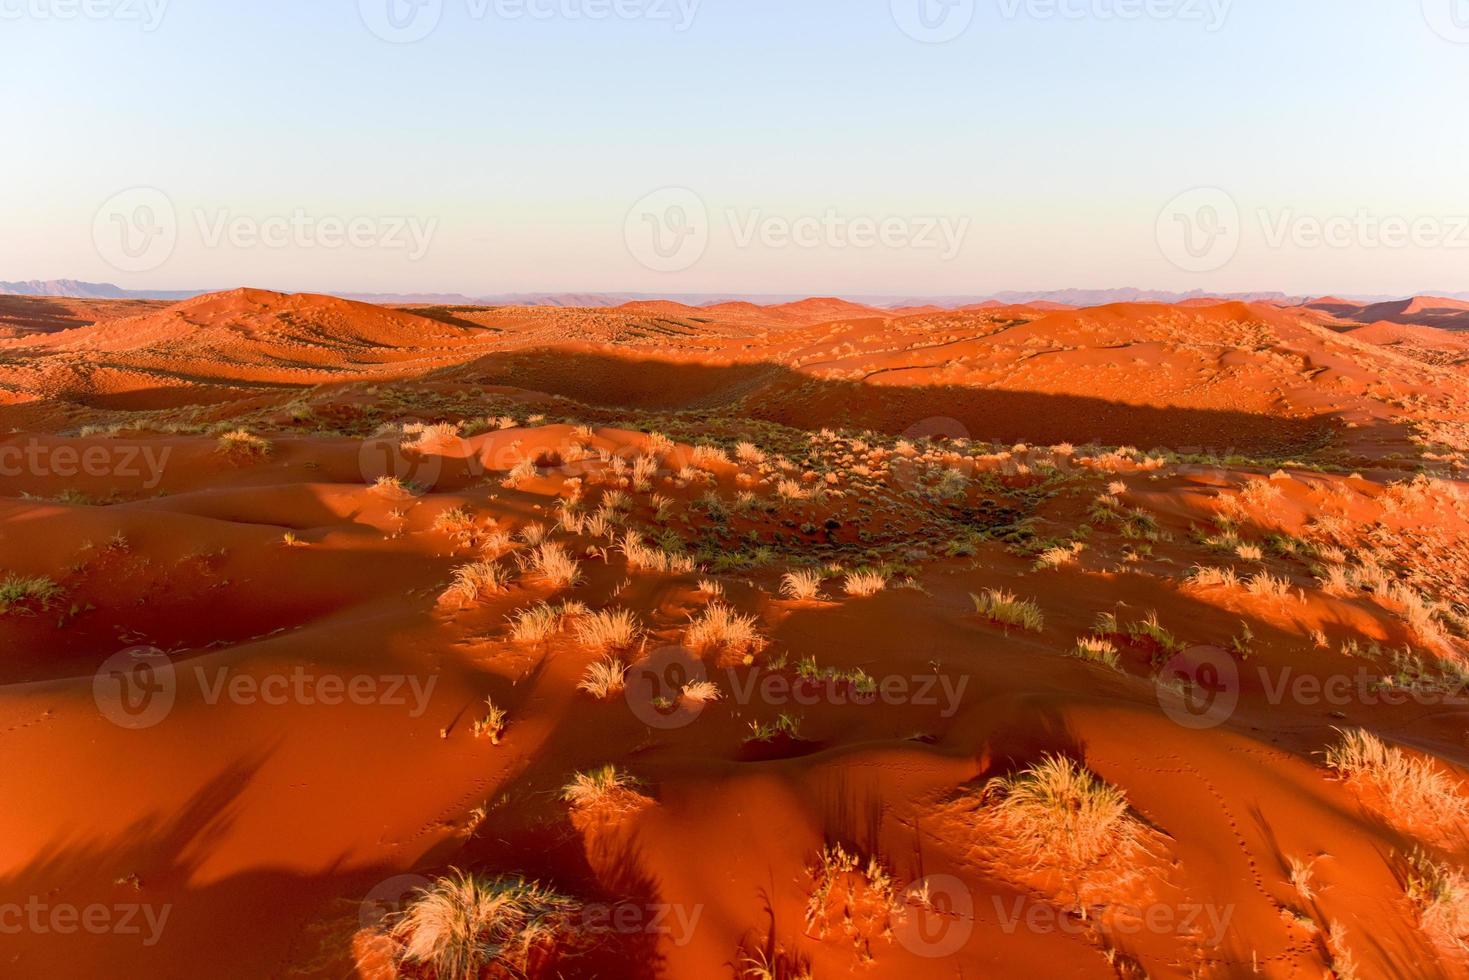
column 861, row 897
column 1099, row 650
column 21, row 592
column 430, row 437
column 719, row 627
column 475, row 581
column 1004, row 607
column 803, row 584
column 542, row 621
column 610, row 629
column 590, row 788
column 603, row 679
column 864, row 583
column 1059, row 817
column 461, row 925
column 551, row 562
column 1400, row 787
column 492, row 725
column 241, row 442
column 1440, row 894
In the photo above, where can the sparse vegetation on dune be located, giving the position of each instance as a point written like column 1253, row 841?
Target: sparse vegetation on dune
column 243, row 444
column 608, row 630
column 720, row 627
column 588, row 789
column 27, row 593
column 1400, row 787
column 804, row 584
column 462, row 925
column 475, row 581
column 1059, row 816
column 864, row 583
column 1000, row 606
column 706, row 524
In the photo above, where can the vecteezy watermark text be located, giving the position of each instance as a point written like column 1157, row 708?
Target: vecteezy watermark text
column 36, row 458
column 148, row 14
column 42, row 918
column 137, row 688
column 670, row 230
column 138, row 229
column 408, row 21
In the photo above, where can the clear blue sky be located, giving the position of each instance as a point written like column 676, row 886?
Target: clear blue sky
column 524, row 142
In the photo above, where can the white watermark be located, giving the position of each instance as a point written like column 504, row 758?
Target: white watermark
column 1211, row 14
column 1363, row 229
column 1207, row 923
column 670, row 231
column 656, row 688
column 147, row 14
column 1449, row 19
column 138, row 688
column 42, row 918
column 1201, row 230
column 137, row 230
column 408, row 21
column 36, row 458
column 1201, row 688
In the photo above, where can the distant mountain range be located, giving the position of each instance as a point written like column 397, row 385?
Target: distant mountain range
column 75, row 289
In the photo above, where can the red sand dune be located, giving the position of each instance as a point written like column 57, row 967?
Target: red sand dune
column 1267, row 545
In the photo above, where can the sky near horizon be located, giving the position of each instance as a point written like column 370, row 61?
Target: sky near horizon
column 856, row 147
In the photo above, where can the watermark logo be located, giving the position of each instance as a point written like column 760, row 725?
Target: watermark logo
column 42, row 918
column 1207, row 924
column 136, row 230
column 148, row 14
column 1363, row 229
column 389, row 899
column 36, row 458
column 401, row 21
column 409, row 234
column 934, row 917
column 1199, row 688
column 1200, row 230
column 408, row 21
column 655, row 688
column 1449, row 19
column 383, row 457
column 1211, row 13
column 668, row 231
column 136, row 688
column 933, row 21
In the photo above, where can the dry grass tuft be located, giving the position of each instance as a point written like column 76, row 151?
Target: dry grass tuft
column 542, row 621
column 461, row 925
column 242, row 443
column 610, row 629
column 1059, row 809
column 719, row 627
column 475, row 581
column 590, row 788
column 1000, row 606
column 864, row 583
column 492, row 725
column 603, row 679
column 804, row 584
column 22, row 592
column 861, row 897
column 551, row 562
column 1399, row 787
column 1098, row 650
column 1441, row 896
